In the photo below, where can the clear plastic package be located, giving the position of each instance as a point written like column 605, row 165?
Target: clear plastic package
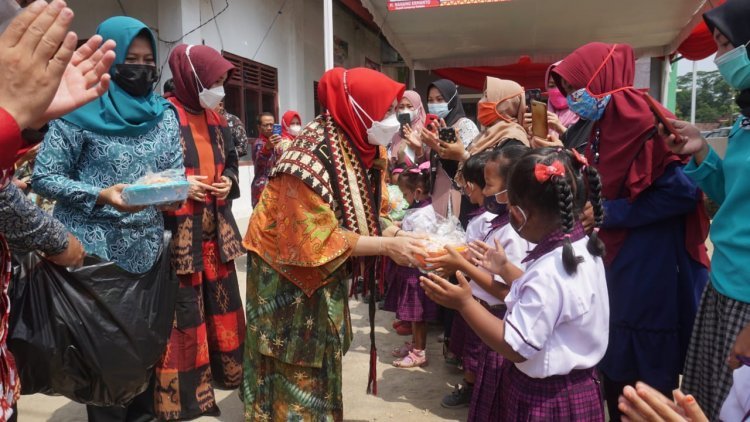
column 445, row 232
column 161, row 188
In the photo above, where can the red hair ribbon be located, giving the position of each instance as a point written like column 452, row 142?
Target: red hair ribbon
column 580, row 158
column 422, row 168
column 544, row 172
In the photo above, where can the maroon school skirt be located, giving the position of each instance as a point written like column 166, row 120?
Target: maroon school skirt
column 485, row 402
column 572, row 397
column 413, row 303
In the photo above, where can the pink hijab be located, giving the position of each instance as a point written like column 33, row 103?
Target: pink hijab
column 557, row 102
column 398, row 144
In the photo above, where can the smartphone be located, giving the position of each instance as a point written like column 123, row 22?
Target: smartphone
column 532, row 95
column 431, row 118
column 403, row 119
column 539, row 119
column 447, row 134
column 277, row 129
column 660, row 117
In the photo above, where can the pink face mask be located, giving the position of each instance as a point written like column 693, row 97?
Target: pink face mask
column 557, row 99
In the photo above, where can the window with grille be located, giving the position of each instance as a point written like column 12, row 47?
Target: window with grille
column 252, row 88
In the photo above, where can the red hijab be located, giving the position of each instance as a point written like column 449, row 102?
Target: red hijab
column 286, row 121
column 631, row 155
column 209, row 65
column 372, row 90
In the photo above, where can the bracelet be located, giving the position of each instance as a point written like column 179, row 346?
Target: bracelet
column 397, row 232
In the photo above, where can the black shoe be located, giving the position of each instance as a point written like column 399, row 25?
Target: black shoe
column 460, row 397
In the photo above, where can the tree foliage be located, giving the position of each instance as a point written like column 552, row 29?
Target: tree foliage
column 714, row 101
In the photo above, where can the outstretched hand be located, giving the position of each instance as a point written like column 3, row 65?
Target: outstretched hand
column 445, row 293
column 487, row 257
column 644, row 403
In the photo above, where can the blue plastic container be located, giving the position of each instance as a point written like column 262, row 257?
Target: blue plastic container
column 156, row 194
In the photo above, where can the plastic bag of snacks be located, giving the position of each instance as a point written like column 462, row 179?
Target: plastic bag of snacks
column 446, row 232
column 165, row 187
column 397, row 202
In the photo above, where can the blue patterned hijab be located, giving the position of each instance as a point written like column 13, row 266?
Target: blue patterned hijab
column 117, row 112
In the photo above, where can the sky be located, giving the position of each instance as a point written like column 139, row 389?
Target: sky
column 686, row 66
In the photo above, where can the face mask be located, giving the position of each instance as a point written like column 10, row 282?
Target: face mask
column 516, row 226
column 491, row 205
column 557, row 99
column 587, row 106
column 439, row 109
column 487, row 114
column 136, row 79
column 380, row 133
column 295, row 129
column 209, row 98
column 734, row 66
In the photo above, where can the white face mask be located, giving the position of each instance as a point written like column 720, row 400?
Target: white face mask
column 295, row 129
column 209, row 98
column 380, row 133
column 412, row 114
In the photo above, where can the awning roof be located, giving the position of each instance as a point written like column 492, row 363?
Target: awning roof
column 495, row 34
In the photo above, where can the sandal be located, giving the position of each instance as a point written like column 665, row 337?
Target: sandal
column 412, row 360
column 404, row 329
column 403, row 351
column 397, row 323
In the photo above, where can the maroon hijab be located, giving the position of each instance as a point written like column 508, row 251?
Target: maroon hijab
column 209, row 65
column 631, row 154
column 372, row 90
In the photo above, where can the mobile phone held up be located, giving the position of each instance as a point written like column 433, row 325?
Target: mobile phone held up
column 403, row 119
column 532, row 95
column 539, row 119
column 277, row 129
column 447, row 134
column 431, row 118
column 660, row 117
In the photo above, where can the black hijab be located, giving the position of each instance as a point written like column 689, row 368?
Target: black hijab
column 731, row 19
column 449, row 91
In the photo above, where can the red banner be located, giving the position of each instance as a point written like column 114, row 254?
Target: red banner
column 422, row 4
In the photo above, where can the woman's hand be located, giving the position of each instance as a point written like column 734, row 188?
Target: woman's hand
column 527, row 121
column 689, row 141
column 429, row 137
column 487, row 257
column 198, row 189
column 403, row 250
column 643, row 403
column 222, row 188
column 72, row 256
column 445, row 293
column 413, row 140
column 553, row 122
column 587, row 218
column 112, row 196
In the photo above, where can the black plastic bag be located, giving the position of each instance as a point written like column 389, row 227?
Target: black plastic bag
column 93, row 334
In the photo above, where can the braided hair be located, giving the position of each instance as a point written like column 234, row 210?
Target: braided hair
column 555, row 196
column 595, row 245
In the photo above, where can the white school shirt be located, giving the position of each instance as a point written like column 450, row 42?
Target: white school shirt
column 559, row 322
column 516, row 249
column 737, row 404
column 420, row 220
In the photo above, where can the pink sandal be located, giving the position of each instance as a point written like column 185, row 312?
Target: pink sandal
column 412, row 360
column 403, row 351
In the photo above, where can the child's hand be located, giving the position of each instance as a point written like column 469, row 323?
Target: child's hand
column 448, row 263
column 445, row 293
column 644, row 403
column 487, row 257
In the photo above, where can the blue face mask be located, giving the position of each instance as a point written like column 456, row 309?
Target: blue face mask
column 734, row 66
column 587, row 106
column 491, row 205
column 439, row 109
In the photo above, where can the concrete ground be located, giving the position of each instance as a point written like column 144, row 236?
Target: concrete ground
column 413, row 393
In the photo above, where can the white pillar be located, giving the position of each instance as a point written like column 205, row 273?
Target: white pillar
column 177, row 17
column 328, row 33
column 694, row 93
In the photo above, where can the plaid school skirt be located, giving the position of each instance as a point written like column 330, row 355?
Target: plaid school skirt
column 485, row 401
column 413, row 303
column 573, row 397
column 707, row 376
